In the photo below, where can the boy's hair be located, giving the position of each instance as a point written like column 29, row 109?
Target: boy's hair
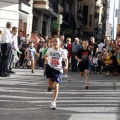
column 8, row 24
column 56, row 36
column 30, row 42
column 113, row 51
column 85, row 41
column 49, row 39
column 14, row 28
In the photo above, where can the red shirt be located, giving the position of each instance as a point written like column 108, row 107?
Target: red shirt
column 69, row 48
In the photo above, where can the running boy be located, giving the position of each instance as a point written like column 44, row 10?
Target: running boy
column 54, row 68
column 82, row 57
column 31, row 52
column 50, row 83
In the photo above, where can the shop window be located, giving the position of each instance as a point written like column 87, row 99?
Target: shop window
column 22, row 27
column 85, row 14
column 35, row 23
column 44, row 28
column 90, row 22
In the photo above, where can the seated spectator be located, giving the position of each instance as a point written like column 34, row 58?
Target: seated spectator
column 111, row 63
column 101, row 59
column 118, row 57
column 94, row 64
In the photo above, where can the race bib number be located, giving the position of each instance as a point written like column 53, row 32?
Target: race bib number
column 55, row 62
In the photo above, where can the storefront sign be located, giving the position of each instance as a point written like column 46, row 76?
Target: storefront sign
column 25, row 7
column 54, row 25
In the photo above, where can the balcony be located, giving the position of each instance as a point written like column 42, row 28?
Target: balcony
column 49, row 7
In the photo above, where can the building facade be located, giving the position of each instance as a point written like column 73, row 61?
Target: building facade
column 45, row 16
column 9, row 11
column 19, row 12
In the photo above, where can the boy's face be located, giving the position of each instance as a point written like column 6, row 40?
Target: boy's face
column 56, row 42
column 31, row 45
column 62, row 45
column 85, row 44
column 44, row 44
column 50, row 43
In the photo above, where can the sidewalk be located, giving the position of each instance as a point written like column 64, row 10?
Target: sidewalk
column 23, row 96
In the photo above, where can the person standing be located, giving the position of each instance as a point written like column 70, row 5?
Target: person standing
column 6, row 49
column 82, row 57
column 15, row 49
column 100, row 46
column 0, row 45
column 75, row 47
column 93, row 47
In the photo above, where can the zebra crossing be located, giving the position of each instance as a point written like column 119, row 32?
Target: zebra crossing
column 23, row 96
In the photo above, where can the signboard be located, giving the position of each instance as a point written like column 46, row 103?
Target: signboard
column 25, row 7
column 54, row 24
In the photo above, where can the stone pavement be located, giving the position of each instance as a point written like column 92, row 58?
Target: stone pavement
column 23, row 96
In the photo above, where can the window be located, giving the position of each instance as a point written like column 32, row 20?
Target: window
column 85, row 14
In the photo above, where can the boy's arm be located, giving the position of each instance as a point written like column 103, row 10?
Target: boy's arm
column 79, row 60
column 44, row 52
column 66, row 63
column 37, row 54
column 25, row 54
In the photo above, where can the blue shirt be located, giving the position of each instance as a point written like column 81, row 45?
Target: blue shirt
column 75, row 47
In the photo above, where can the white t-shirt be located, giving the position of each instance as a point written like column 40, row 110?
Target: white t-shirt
column 66, row 51
column 0, row 38
column 100, row 46
column 6, row 36
column 30, row 52
column 95, row 60
column 55, row 58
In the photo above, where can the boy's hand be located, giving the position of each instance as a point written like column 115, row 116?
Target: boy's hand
column 65, row 68
column 80, row 60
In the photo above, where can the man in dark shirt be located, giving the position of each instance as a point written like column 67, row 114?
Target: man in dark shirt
column 82, row 57
column 25, row 45
column 93, row 47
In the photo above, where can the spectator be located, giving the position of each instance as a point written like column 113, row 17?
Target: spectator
column 75, row 47
column 69, row 48
column 6, row 49
column 100, row 46
column 93, row 47
column 0, row 45
column 62, row 38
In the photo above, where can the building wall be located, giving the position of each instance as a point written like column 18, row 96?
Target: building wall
column 113, row 18
column 9, row 11
column 25, row 18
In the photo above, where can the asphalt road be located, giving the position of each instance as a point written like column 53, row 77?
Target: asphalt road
column 23, row 96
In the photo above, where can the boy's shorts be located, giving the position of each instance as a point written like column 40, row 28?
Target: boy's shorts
column 63, row 64
column 83, row 66
column 54, row 75
column 30, row 59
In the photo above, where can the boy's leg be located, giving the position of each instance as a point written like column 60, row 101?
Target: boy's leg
column 81, row 74
column 29, row 63
column 33, row 65
column 50, row 85
column 86, row 77
column 55, row 92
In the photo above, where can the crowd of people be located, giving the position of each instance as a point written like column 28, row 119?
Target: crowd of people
column 57, row 55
